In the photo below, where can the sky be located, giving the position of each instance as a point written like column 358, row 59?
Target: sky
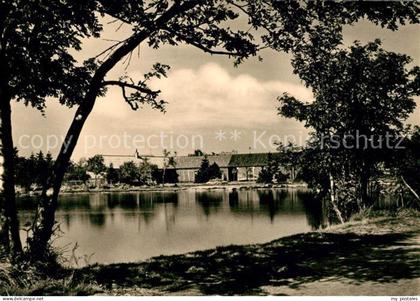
column 211, row 104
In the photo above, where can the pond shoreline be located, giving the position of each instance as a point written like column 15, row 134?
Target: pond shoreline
column 146, row 224
column 359, row 257
column 377, row 255
column 178, row 187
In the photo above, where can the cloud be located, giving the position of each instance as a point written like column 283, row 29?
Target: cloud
column 204, row 98
column 201, row 100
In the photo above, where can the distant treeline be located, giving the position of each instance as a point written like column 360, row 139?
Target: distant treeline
column 33, row 171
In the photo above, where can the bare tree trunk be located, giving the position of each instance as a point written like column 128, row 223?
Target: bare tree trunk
column 44, row 224
column 410, row 188
column 4, row 224
column 364, row 189
column 4, row 229
column 45, row 221
column 163, row 176
column 333, row 199
column 9, row 223
column 8, row 176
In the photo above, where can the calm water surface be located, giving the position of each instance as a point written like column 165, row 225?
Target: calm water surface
column 124, row 227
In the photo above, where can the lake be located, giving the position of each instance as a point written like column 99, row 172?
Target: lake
column 126, row 227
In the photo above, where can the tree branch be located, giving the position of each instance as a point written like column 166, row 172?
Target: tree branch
column 240, row 7
column 201, row 47
column 410, row 188
column 43, row 232
column 132, row 42
column 110, row 48
column 124, row 85
column 211, row 51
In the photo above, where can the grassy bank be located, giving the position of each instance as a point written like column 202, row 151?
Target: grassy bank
column 374, row 253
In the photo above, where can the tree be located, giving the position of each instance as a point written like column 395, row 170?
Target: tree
column 168, row 161
column 171, row 176
column 289, row 159
column 405, row 164
column 112, row 175
column 200, row 24
column 362, row 96
column 43, row 167
column 33, row 170
column 24, row 170
column 35, row 63
column 281, row 166
column 198, row 153
column 214, row 171
column 77, row 172
column 409, row 167
column 265, row 176
column 202, row 174
column 97, row 166
column 129, row 173
column 204, row 25
column 268, row 172
column 145, row 172
column 313, row 167
column 207, row 172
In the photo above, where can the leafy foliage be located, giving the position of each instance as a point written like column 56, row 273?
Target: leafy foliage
column 293, row 25
column 112, row 175
column 36, row 38
column 409, row 164
column 207, row 171
column 362, row 96
column 129, row 173
column 265, row 176
column 77, row 172
column 33, row 170
column 198, row 153
column 405, row 164
column 280, row 165
column 159, row 177
column 141, row 174
column 96, row 164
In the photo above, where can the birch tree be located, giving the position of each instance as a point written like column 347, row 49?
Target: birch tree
column 363, row 95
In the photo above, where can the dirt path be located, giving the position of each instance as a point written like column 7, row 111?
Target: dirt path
column 346, row 286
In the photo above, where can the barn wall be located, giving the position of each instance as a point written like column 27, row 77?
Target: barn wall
column 225, row 174
column 252, row 173
column 186, row 175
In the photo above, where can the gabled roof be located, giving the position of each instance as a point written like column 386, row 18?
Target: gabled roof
column 117, row 161
column 194, row 162
column 249, row 160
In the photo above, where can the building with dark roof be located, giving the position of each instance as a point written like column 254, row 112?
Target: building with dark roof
column 187, row 166
column 234, row 167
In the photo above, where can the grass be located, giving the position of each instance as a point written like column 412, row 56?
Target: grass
column 369, row 213
column 25, row 281
column 49, row 287
column 6, row 277
column 46, row 278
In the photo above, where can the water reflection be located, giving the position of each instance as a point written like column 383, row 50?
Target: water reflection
column 133, row 226
column 210, row 201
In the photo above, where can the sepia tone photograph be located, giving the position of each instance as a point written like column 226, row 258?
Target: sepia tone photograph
column 210, row 148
